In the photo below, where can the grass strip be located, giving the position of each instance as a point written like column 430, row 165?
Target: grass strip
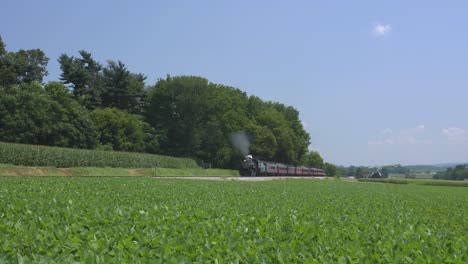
column 418, row 182
column 12, row 170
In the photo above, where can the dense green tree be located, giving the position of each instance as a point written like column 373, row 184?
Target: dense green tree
column 313, row 159
column 96, row 86
column 291, row 140
column 29, row 65
column 23, row 66
column 226, row 115
column 341, row 171
column 7, row 71
column 300, row 139
column 116, row 83
column 137, row 93
column 33, row 115
column 73, row 126
column 330, row 169
column 83, row 76
column 123, row 89
column 119, row 130
column 179, row 106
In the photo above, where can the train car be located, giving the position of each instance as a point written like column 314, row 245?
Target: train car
column 271, row 168
column 253, row 167
column 299, row 171
column 282, row 169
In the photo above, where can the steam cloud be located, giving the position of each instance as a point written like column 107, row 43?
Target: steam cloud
column 241, row 142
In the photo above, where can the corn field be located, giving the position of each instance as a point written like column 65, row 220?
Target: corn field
column 32, row 155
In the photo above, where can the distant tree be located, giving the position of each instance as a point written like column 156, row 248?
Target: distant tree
column 341, row 171
column 351, row 171
column 264, row 143
column 29, row 65
column 459, row 172
column 179, row 106
column 227, row 114
column 362, row 172
column 2, row 47
column 385, row 172
column 137, row 93
column 117, row 83
column 119, row 130
column 330, row 169
column 96, row 86
column 313, row 159
column 72, row 125
column 84, row 77
column 300, row 139
column 24, row 66
column 32, row 115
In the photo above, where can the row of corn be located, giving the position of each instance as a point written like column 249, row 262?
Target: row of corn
column 32, row 155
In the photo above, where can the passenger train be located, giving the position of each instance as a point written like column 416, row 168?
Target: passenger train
column 254, row 167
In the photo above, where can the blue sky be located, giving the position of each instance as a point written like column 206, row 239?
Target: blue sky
column 376, row 82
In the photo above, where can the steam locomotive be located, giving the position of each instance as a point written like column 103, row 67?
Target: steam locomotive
column 254, row 167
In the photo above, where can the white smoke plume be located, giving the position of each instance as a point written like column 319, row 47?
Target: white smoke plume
column 241, row 142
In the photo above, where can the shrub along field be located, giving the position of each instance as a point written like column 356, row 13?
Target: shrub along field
column 127, row 220
column 32, row 155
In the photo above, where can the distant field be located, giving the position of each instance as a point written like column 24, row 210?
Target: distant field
column 130, row 220
column 417, row 175
column 417, row 182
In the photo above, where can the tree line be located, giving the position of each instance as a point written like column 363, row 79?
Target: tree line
column 459, row 172
column 108, row 107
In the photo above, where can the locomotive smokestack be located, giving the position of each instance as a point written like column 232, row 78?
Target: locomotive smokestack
column 241, row 142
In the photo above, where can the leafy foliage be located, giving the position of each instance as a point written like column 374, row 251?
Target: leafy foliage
column 119, row 130
column 83, row 75
column 313, row 159
column 198, row 117
column 330, row 169
column 33, row 115
column 24, row 66
column 87, row 220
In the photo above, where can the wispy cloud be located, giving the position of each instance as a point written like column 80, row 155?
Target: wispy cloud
column 407, row 136
column 381, row 30
column 455, row 134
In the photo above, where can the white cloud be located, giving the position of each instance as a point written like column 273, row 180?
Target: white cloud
column 381, row 30
column 455, row 134
column 407, row 136
column 387, row 131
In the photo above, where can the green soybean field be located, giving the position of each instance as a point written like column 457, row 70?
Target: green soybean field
column 147, row 220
